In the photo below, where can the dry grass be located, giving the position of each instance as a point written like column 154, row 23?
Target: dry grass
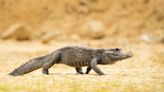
column 139, row 74
column 121, row 80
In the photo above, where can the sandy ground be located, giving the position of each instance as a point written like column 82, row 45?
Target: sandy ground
column 143, row 72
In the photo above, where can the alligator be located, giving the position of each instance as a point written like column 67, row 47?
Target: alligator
column 75, row 56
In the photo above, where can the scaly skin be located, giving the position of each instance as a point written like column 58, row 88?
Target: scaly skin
column 76, row 57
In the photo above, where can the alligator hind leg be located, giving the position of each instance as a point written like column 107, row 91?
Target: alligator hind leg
column 50, row 63
column 79, row 70
column 46, row 66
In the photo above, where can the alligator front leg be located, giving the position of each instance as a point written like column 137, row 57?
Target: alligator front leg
column 94, row 66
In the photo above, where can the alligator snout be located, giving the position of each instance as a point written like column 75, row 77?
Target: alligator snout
column 130, row 54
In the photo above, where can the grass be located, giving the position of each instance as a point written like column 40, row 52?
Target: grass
column 79, row 83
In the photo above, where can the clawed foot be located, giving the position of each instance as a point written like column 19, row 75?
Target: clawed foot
column 45, row 72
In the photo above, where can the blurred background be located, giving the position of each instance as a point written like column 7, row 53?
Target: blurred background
column 31, row 28
column 77, row 20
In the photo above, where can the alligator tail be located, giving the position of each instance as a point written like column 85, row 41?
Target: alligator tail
column 31, row 65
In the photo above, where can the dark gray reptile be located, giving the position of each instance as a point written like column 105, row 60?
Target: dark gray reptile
column 76, row 57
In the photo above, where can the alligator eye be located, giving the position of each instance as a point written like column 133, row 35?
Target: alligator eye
column 117, row 49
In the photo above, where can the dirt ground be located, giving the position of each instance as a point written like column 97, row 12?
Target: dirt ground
column 142, row 73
